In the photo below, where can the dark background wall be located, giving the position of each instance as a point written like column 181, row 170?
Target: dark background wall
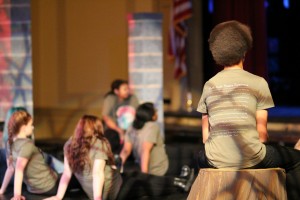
column 280, row 39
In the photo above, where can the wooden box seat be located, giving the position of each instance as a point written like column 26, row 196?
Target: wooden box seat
column 244, row 184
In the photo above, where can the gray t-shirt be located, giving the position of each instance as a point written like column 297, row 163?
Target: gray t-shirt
column 231, row 99
column 122, row 113
column 38, row 176
column 159, row 162
column 112, row 180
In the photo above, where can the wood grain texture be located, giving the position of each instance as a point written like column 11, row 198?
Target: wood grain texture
column 246, row 184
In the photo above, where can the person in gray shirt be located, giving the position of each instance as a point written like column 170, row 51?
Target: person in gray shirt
column 234, row 107
column 145, row 141
column 118, row 112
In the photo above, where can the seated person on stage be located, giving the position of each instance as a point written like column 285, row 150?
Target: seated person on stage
column 234, row 107
column 56, row 164
column 145, row 140
column 118, row 112
column 25, row 161
column 4, row 141
column 88, row 155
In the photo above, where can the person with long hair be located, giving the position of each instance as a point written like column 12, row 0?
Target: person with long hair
column 53, row 162
column 25, row 161
column 4, row 144
column 88, row 155
column 8, row 115
column 144, row 139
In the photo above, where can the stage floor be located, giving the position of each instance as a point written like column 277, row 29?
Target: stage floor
column 283, row 125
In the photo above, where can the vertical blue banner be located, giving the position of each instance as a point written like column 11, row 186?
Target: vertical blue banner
column 15, row 56
column 146, row 59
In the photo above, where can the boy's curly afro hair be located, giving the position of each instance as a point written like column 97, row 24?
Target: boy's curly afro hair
column 229, row 42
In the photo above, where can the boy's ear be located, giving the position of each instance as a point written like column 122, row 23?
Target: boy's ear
column 116, row 91
column 154, row 117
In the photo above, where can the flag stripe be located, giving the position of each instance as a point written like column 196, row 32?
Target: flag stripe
column 182, row 10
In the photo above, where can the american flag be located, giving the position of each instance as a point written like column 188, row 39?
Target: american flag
column 181, row 10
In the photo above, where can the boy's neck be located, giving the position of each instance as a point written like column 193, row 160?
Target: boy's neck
column 237, row 66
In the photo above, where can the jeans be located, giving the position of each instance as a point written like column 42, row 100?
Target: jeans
column 137, row 185
column 2, row 164
column 288, row 159
column 54, row 163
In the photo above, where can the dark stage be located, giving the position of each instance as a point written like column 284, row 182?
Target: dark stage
column 183, row 141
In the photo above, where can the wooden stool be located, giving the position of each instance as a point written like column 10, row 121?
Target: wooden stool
column 244, row 184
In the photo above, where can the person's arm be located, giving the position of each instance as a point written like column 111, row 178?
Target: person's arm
column 64, row 180
column 19, row 173
column 126, row 151
column 205, row 128
column 108, row 106
column 297, row 145
column 145, row 157
column 112, row 125
column 7, row 177
column 98, row 178
column 261, row 125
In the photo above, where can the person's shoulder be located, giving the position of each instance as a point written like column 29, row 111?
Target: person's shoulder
column 100, row 144
column 67, row 143
column 255, row 78
column 132, row 95
column 151, row 125
column 110, row 97
column 69, row 140
column 132, row 100
column 212, row 79
column 251, row 74
column 151, row 131
column 25, row 141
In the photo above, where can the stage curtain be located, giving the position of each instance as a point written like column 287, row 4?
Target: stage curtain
column 252, row 13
